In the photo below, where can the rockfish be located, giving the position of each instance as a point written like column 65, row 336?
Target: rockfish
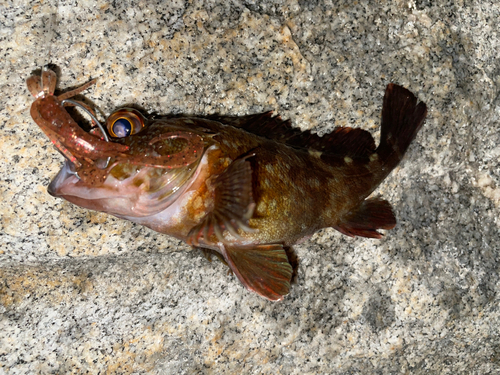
column 247, row 188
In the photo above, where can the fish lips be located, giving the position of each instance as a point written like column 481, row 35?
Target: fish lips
column 123, row 198
column 68, row 186
column 66, row 172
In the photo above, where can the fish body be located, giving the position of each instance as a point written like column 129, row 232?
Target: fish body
column 245, row 187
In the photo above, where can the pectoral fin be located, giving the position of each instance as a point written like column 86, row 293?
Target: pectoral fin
column 263, row 269
column 372, row 214
column 233, row 205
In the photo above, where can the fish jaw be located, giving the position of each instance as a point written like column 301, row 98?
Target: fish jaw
column 146, row 192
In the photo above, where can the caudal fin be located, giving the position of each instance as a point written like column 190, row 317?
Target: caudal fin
column 402, row 118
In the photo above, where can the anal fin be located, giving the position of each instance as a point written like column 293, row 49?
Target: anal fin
column 372, row 214
column 263, row 269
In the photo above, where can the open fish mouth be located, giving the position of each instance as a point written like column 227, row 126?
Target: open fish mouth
column 67, row 185
column 65, row 175
column 144, row 192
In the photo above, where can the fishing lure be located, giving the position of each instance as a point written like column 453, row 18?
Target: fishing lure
column 246, row 188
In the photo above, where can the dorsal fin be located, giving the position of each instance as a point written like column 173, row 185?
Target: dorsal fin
column 262, row 124
column 342, row 141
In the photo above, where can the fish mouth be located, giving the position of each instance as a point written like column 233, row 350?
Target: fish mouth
column 67, row 185
column 66, row 173
column 144, row 193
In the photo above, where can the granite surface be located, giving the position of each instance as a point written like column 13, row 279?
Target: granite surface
column 84, row 292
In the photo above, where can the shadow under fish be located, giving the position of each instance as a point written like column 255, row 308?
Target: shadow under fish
column 246, row 188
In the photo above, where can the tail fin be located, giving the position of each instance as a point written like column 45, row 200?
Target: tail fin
column 402, row 118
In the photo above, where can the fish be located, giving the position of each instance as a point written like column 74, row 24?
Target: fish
column 245, row 188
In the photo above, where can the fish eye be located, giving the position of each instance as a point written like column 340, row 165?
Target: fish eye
column 122, row 128
column 125, row 122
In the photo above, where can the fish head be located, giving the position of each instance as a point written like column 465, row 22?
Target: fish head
column 131, row 167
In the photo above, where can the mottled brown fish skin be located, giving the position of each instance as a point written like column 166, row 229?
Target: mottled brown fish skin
column 295, row 191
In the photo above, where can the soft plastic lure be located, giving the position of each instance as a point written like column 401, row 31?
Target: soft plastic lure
column 92, row 154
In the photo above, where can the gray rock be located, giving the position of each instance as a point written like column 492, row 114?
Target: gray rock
column 85, row 292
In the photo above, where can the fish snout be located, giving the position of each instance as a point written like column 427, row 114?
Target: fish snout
column 67, row 171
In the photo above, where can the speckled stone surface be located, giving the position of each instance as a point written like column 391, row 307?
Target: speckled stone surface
column 83, row 292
